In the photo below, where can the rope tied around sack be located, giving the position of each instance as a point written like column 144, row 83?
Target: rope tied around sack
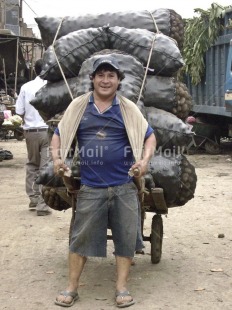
column 156, row 27
column 149, row 56
column 147, row 66
column 57, row 60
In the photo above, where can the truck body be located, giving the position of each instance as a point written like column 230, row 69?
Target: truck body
column 210, row 97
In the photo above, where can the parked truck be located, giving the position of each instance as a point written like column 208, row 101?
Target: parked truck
column 212, row 97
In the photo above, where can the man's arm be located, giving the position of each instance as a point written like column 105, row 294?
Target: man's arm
column 149, row 150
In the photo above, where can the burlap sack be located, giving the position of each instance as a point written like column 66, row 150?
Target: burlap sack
column 71, row 51
column 176, row 175
column 168, row 22
column 168, row 94
column 171, row 132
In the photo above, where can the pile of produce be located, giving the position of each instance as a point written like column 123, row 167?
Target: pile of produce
column 150, row 59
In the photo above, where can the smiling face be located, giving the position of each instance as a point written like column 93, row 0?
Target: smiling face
column 105, row 82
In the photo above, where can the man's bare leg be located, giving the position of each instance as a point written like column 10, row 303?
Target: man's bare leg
column 76, row 266
column 123, row 265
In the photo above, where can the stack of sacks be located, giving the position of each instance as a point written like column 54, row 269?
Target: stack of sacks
column 72, row 49
column 167, row 21
column 77, row 50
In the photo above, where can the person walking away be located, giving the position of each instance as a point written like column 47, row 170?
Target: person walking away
column 111, row 133
column 37, row 141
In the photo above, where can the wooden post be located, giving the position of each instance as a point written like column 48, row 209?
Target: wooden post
column 32, row 60
column 21, row 17
column 16, row 66
column 4, row 71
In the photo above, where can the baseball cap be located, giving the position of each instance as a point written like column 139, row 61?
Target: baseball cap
column 105, row 60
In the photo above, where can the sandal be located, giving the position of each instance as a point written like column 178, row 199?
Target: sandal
column 126, row 303
column 74, row 296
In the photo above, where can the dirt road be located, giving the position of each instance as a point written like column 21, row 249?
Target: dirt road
column 195, row 271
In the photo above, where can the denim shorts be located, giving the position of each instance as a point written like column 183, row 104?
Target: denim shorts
column 97, row 210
